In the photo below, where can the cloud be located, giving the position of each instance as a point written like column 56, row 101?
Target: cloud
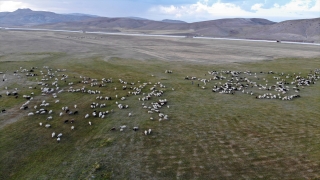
column 9, row 6
column 203, row 10
column 256, row 7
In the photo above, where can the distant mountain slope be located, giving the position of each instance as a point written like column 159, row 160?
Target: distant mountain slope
column 23, row 17
column 173, row 21
column 294, row 30
column 307, row 30
column 129, row 23
column 136, row 18
column 80, row 14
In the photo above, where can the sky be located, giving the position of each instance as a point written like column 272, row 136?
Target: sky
column 185, row 10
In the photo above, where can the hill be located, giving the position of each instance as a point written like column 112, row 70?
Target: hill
column 173, row 21
column 27, row 17
column 303, row 30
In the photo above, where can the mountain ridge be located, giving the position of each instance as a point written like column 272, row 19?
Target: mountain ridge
column 302, row 30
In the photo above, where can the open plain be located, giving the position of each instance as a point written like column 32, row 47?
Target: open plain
column 206, row 135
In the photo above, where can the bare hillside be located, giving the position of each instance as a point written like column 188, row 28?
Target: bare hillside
column 303, row 30
column 27, row 17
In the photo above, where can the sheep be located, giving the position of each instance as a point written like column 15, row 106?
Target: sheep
column 149, row 131
column 49, row 118
column 145, row 132
column 123, row 127
column 58, row 139
column 47, row 125
column 86, row 116
column 112, row 129
column 60, row 114
column 53, row 134
column 40, row 123
column 120, row 106
column 30, row 114
column 59, row 135
column 72, row 127
column 90, row 123
column 130, row 114
column 135, row 128
column 72, row 121
column 50, row 112
column 75, row 106
column 66, row 121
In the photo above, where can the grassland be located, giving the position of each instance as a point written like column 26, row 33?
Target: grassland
column 208, row 135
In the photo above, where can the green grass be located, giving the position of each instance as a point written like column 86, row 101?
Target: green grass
column 208, row 135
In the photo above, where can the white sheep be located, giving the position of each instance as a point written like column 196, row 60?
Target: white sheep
column 53, row 134
column 75, row 106
column 30, row 114
column 59, row 135
column 90, row 123
column 49, row 118
column 123, row 127
column 149, row 131
column 130, row 114
column 47, row 125
column 86, row 116
column 40, row 124
column 135, row 128
column 50, row 112
column 58, row 139
column 145, row 132
column 72, row 127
